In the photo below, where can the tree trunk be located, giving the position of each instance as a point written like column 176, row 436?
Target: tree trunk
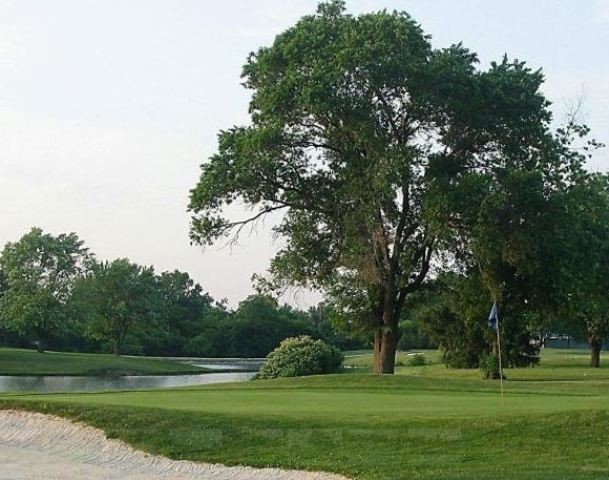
column 387, row 336
column 378, row 340
column 118, row 346
column 596, row 346
column 385, row 346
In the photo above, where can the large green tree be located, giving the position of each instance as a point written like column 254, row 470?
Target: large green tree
column 580, row 266
column 117, row 297
column 39, row 272
column 374, row 148
column 183, row 306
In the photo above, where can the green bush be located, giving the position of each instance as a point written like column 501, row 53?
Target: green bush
column 417, row 360
column 299, row 356
column 489, row 367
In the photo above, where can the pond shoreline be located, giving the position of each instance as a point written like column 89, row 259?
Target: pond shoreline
column 30, row 363
column 89, row 384
column 111, row 374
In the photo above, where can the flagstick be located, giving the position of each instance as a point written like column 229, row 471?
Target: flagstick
column 500, row 368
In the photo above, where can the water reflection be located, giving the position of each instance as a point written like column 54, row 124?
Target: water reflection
column 52, row 384
column 244, row 365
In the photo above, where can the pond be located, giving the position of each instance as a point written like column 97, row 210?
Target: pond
column 53, row 384
column 223, row 370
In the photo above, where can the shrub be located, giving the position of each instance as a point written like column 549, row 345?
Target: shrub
column 417, row 360
column 489, row 367
column 299, row 356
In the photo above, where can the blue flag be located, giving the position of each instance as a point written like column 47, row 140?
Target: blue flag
column 493, row 318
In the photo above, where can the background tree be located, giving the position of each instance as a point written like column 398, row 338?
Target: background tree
column 373, row 152
column 3, row 288
column 256, row 327
column 453, row 312
column 260, row 324
column 214, row 337
column 581, row 270
column 182, row 309
column 513, row 236
column 40, row 270
column 3, row 283
column 120, row 296
column 327, row 326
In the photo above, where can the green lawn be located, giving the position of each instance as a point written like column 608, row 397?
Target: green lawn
column 15, row 361
column 427, row 423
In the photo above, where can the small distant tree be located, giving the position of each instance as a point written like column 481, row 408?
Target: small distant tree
column 39, row 272
column 120, row 296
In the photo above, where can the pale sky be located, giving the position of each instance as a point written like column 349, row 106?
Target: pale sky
column 108, row 107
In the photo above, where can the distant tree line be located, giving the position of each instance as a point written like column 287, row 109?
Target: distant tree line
column 54, row 294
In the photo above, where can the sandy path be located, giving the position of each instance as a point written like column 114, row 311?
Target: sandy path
column 34, row 446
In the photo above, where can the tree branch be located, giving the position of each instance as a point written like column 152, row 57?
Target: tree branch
column 387, row 110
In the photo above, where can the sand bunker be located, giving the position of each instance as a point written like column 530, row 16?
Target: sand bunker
column 37, row 446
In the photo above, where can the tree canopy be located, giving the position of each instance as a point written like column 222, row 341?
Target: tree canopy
column 119, row 296
column 579, row 267
column 39, row 271
column 381, row 153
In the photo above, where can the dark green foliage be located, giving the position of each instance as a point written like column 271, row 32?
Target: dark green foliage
column 438, row 314
column 301, row 356
column 329, row 328
column 412, row 337
column 38, row 274
column 382, row 155
column 454, row 312
column 489, row 367
column 579, row 263
column 257, row 327
column 259, row 324
column 183, row 309
column 118, row 297
column 61, row 298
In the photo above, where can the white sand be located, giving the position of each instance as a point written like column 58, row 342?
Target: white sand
column 34, row 446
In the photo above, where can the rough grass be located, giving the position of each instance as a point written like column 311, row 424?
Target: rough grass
column 433, row 425
column 14, row 361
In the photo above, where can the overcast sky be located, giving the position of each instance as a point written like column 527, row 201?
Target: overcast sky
column 108, row 107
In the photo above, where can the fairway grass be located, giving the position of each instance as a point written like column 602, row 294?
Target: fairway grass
column 16, row 361
column 420, row 426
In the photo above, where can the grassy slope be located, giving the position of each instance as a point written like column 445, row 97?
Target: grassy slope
column 15, row 361
column 429, row 424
